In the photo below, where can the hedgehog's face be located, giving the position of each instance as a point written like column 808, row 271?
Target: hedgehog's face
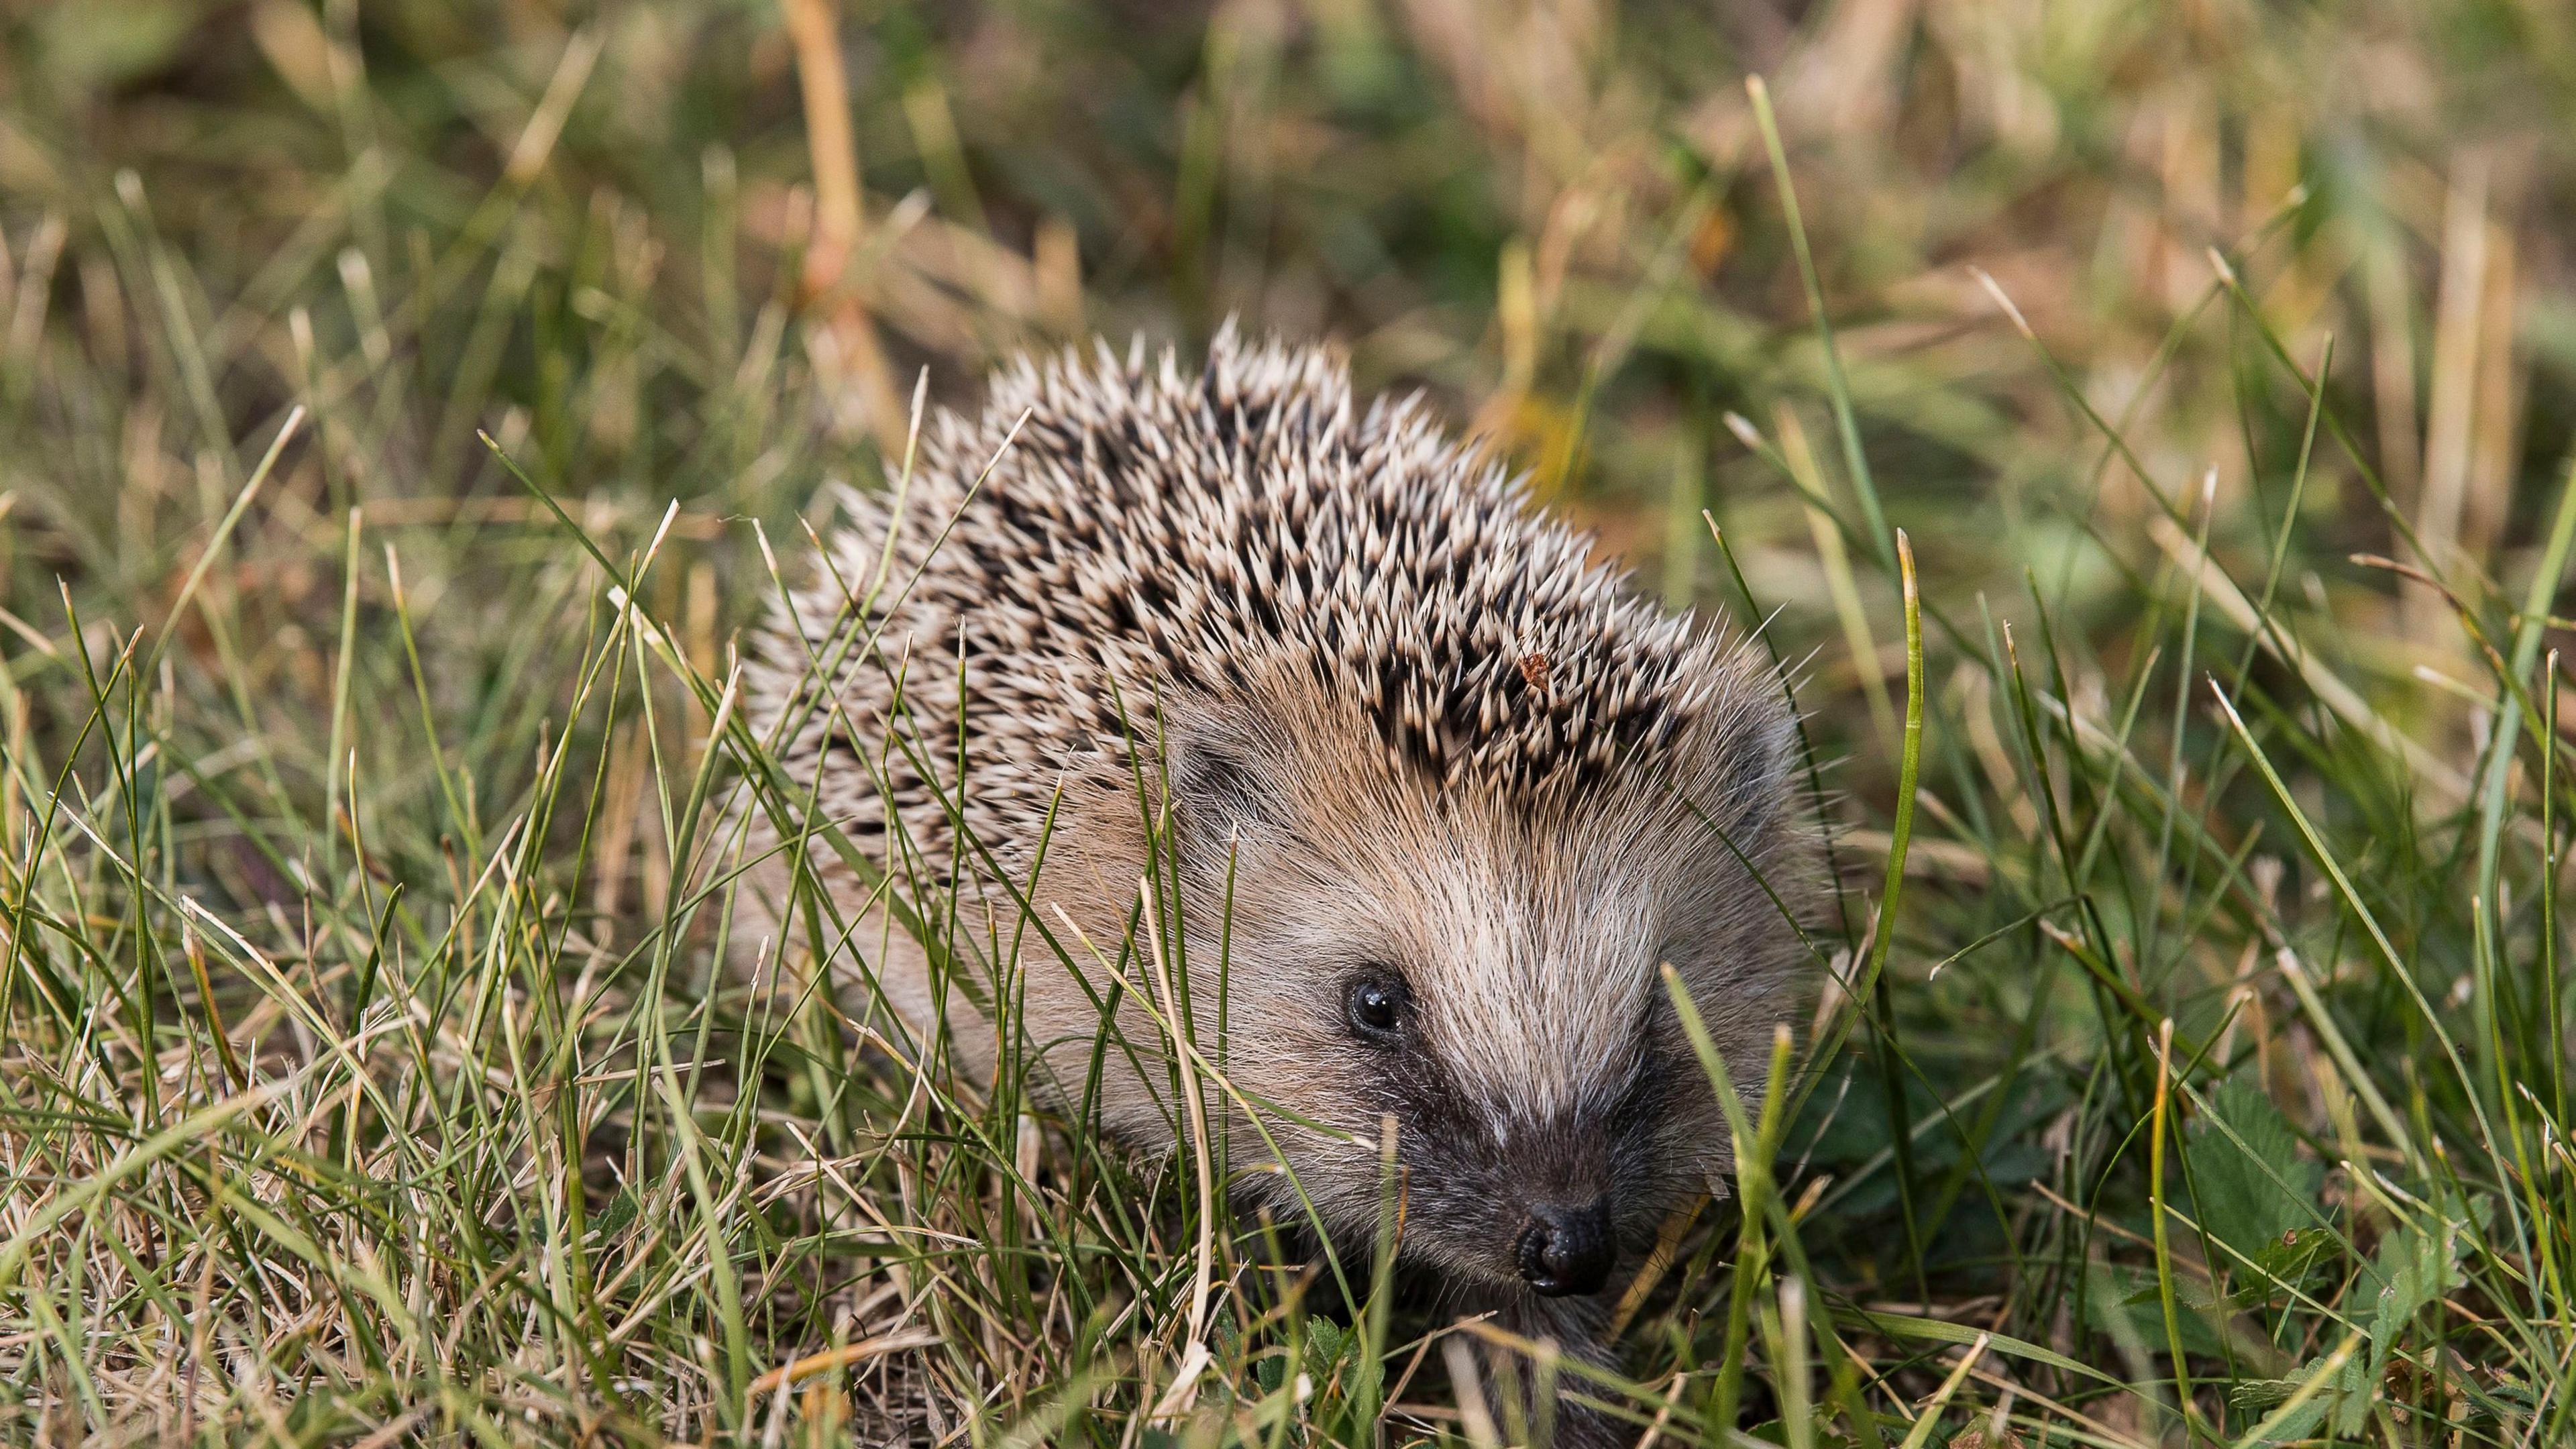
column 1484, row 974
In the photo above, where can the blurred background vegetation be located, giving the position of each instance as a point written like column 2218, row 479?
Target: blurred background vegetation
column 593, row 229
column 624, row 240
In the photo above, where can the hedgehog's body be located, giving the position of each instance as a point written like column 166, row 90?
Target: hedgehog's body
column 1442, row 795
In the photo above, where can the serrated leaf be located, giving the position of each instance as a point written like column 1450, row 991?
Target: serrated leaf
column 1323, row 1345
column 2254, row 1190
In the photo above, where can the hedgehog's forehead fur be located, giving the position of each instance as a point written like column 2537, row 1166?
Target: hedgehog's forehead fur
column 1117, row 527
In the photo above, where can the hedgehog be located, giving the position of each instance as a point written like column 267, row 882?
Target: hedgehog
column 1217, row 701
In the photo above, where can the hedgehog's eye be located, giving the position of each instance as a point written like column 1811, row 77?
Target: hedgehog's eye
column 1375, row 1002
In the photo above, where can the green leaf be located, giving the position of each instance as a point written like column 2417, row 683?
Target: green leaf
column 1904, row 1325
column 2410, row 1270
column 2254, row 1190
column 1323, row 1345
column 2130, row 1305
column 613, row 1219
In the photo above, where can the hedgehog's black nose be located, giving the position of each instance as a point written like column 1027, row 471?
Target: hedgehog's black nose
column 1567, row 1250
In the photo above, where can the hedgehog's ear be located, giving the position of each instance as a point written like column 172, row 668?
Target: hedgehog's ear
column 1219, row 789
column 1743, row 778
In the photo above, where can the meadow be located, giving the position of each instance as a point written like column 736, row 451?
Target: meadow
column 2141, row 431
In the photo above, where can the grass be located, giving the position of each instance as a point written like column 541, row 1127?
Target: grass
column 2142, row 431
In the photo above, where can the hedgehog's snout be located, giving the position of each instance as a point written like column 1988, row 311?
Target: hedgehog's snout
column 1567, row 1250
